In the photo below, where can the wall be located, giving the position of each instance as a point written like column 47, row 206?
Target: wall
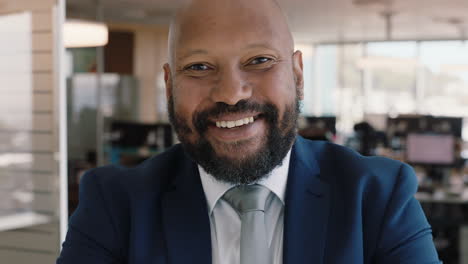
column 29, row 132
column 150, row 54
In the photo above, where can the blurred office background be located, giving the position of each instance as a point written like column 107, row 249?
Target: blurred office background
column 384, row 77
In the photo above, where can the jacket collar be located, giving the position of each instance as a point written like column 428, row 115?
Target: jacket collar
column 187, row 226
column 307, row 207
column 185, row 217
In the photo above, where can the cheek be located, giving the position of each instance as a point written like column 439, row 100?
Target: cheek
column 188, row 96
column 275, row 86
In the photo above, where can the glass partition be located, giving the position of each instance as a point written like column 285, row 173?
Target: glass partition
column 445, row 78
column 355, row 82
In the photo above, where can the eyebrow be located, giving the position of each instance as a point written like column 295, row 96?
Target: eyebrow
column 193, row 52
column 205, row 52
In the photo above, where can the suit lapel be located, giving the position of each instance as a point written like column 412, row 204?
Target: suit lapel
column 306, row 210
column 185, row 217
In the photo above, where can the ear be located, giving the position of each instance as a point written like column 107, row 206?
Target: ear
column 298, row 70
column 168, row 80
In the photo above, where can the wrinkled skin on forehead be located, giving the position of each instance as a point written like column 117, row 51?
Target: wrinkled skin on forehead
column 220, row 19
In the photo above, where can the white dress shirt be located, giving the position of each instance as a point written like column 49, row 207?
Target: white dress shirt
column 225, row 223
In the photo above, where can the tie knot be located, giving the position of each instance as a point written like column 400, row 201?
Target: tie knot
column 246, row 198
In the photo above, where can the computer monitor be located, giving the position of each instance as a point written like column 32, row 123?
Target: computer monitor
column 430, row 149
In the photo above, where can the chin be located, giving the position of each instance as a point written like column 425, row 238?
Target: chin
column 238, row 150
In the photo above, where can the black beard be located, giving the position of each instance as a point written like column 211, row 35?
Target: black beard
column 249, row 169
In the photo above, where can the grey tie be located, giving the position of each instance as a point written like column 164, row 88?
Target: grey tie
column 249, row 201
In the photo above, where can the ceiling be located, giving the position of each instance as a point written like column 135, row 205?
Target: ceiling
column 319, row 21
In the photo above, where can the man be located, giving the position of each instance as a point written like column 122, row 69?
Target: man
column 242, row 187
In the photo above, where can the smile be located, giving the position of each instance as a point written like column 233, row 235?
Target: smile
column 236, row 123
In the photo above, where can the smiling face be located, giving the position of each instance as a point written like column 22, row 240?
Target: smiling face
column 233, row 86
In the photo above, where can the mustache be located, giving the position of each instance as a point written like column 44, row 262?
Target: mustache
column 266, row 110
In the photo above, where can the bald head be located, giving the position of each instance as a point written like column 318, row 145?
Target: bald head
column 227, row 21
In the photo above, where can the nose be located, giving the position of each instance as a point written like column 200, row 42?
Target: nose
column 231, row 87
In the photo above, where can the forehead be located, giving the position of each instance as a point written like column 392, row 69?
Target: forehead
column 220, row 28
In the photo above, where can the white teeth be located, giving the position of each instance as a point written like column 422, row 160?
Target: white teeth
column 237, row 123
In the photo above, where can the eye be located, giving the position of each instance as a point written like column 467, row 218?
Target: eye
column 197, row 67
column 259, row 60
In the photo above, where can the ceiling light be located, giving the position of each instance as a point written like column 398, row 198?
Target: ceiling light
column 82, row 34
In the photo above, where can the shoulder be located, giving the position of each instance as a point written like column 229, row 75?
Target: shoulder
column 150, row 175
column 346, row 169
column 333, row 157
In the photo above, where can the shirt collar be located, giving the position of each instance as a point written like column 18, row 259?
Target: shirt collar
column 275, row 182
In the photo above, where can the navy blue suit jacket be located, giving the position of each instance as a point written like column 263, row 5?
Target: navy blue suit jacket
column 340, row 208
